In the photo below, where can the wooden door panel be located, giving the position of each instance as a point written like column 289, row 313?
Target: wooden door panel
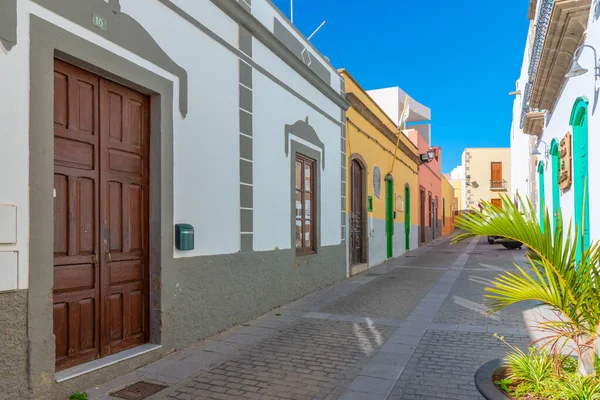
column 100, row 292
column 497, row 203
column 124, row 158
column 356, row 213
column 76, row 212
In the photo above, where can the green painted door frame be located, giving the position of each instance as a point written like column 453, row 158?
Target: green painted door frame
column 407, row 215
column 579, row 121
column 554, row 152
column 389, row 214
column 540, row 171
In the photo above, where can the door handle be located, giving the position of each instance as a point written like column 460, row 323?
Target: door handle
column 108, row 257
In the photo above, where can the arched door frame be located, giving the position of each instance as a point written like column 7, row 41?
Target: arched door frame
column 579, row 122
column 542, row 194
column 356, row 157
column 554, row 153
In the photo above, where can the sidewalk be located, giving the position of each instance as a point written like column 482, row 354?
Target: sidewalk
column 411, row 328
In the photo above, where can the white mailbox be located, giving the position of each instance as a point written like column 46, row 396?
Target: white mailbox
column 8, row 224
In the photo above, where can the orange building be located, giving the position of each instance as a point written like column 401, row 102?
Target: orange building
column 430, row 189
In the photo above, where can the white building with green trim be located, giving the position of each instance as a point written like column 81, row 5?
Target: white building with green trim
column 555, row 114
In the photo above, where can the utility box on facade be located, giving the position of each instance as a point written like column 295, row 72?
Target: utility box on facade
column 184, row 237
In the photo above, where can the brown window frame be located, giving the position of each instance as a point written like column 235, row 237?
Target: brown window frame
column 306, row 161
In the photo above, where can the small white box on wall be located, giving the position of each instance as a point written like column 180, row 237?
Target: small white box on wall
column 9, row 270
column 8, row 224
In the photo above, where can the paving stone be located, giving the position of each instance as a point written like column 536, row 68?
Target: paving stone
column 369, row 384
column 381, row 298
column 413, row 328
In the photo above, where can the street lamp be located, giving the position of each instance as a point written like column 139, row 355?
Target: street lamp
column 427, row 157
column 536, row 151
column 577, row 69
column 431, row 154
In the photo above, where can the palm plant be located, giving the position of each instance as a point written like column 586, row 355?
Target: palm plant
column 556, row 278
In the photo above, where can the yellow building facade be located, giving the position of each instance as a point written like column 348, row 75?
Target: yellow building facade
column 458, row 184
column 448, row 196
column 382, row 194
column 487, row 176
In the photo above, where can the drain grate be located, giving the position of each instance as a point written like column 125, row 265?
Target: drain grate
column 138, row 391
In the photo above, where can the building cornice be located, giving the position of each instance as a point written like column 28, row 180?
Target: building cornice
column 534, row 123
column 367, row 114
column 565, row 32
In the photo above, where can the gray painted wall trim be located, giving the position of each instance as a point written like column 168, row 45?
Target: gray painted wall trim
column 8, row 23
column 122, row 30
column 300, row 50
column 306, row 132
column 260, row 32
column 247, row 59
column 47, row 42
column 246, row 153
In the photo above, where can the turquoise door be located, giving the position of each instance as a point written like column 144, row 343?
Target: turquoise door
column 579, row 121
column 555, row 188
column 389, row 215
column 542, row 193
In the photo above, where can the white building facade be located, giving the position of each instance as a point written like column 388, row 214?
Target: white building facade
column 554, row 116
column 169, row 169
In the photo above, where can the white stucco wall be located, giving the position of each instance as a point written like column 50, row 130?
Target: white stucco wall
column 206, row 142
column 558, row 126
column 519, row 142
column 274, row 107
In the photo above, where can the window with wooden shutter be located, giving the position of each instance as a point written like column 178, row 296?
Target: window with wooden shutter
column 496, row 178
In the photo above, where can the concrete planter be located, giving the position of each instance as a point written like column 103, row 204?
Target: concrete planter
column 485, row 383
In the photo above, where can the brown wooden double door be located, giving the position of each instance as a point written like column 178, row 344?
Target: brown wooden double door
column 101, row 171
column 357, row 206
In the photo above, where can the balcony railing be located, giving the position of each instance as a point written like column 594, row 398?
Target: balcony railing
column 498, row 185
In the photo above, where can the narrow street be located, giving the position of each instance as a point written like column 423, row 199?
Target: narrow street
column 412, row 328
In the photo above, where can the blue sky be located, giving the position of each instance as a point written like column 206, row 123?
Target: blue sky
column 461, row 58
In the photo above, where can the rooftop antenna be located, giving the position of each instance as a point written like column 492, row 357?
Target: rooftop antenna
column 316, row 30
column 292, row 11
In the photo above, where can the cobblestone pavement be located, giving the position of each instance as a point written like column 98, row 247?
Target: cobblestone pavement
column 412, row 328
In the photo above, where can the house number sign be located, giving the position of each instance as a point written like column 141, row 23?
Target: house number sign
column 99, row 22
column 564, row 167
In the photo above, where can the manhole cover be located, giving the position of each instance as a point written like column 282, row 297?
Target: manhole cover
column 138, row 391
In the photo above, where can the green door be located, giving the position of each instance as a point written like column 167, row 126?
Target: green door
column 407, row 215
column 389, row 214
column 579, row 121
column 555, row 177
column 542, row 193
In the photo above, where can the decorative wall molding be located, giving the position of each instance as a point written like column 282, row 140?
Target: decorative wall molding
column 304, row 131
